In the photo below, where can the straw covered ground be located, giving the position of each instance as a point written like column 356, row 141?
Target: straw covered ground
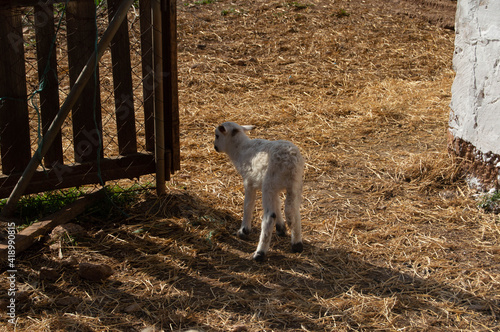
column 394, row 239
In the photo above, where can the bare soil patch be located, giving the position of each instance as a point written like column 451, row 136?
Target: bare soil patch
column 393, row 236
column 436, row 12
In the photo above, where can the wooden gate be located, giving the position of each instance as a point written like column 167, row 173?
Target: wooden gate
column 87, row 163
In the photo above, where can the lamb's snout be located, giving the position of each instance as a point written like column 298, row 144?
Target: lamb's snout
column 216, row 148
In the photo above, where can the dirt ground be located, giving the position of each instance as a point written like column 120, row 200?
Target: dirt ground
column 393, row 237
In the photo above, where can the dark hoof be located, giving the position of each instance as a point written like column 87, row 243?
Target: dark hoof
column 281, row 230
column 297, row 247
column 243, row 233
column 259, row 256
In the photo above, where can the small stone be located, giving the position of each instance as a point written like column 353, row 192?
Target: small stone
column 48, row 274
column 55, row 246
column 132, row 308
column 22, row 296
column 3, row 304
column 69, row 262
column 241, row 62
column 66, row 229
column 239, row 328
column 67, row 301
column 94, row 272
column 149, row 329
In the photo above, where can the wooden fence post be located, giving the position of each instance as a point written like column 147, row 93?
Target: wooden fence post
column 147, row 72
column 122, row 82
column 14, row 119
column 170, row 96
column 86, row 113
column 47, row 74
column 161, row 174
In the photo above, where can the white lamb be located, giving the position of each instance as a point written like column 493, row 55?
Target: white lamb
column 272, row 166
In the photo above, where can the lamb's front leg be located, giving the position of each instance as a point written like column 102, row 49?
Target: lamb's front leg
column 248, row 208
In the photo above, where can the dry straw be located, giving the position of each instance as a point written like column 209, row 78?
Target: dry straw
column 393, row 238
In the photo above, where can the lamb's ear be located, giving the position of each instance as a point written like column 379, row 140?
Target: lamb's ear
column 248, row 128
column 222, row 129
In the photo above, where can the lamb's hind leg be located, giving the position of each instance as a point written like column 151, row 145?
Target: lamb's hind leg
column 270, row 203
column 248, row 207
column 292, row 215
column 280, row 223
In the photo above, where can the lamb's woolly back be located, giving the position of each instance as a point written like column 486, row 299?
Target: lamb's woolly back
column 280, row 160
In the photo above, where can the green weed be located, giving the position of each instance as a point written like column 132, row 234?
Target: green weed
column 226, row 12
column 297, row 5
column 490, row 202
column 341, row 13
column 200, row 2
column 32, row 208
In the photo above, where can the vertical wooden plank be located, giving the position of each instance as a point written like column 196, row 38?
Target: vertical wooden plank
column 47, row 74
column 170, row 94
column 147, row 72
column 122, row 82
column 86, row 114
column 160, row 152
column 14, row 117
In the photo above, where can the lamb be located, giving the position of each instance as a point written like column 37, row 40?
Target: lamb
column 271, row 166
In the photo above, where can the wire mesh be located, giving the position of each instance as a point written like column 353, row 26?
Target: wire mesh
column 107, row 110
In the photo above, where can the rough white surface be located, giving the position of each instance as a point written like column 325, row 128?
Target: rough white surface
column 475, row 104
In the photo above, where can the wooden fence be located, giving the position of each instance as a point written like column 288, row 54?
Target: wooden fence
column 88, row 163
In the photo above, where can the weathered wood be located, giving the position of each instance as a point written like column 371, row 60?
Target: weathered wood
column 147, row 72
column 70, row 101
column 84, row 98
column 14, row 119
column 6, row 4
column 170, row 88
column 159, row 110
column 122, row 81
column 63, row 176
column 31, row 234
column 47, row 74
column 86, row 114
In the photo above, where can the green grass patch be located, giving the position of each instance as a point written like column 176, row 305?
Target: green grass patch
column 226, row 12
column 297, row 5
column 341, row 13
column 490, row 202
column 32, row 208
column 200, row 2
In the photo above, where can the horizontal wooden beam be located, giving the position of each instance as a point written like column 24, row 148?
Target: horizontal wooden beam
column 65, row 176
column 4, row 4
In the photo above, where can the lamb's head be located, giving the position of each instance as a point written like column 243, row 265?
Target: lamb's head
column 228, row 135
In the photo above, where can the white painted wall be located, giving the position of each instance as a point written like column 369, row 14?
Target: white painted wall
column 475, row 104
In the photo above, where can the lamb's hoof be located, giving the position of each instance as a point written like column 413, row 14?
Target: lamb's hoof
column 297, row 247
column 259, row 256
column 280, row 230
column 243, row 233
